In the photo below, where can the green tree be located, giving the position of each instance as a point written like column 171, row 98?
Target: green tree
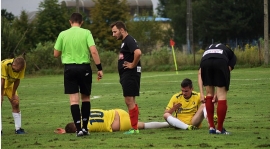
column 26, row 28
column 176, row 10
column 147, row 32
column 161, row 8
column 224, row 23
column 102, row 15
column 11, row 39
column 8, row 15
column 215, row 19
column 52, row 18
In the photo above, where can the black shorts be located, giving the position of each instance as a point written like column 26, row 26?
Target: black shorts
column 78, row 78
column 130, row 82
column 215, row 72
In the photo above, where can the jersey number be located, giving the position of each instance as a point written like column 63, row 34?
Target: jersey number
column 96, row 116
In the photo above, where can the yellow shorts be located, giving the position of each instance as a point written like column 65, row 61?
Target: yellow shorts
column 124, row 120
column 8, row 92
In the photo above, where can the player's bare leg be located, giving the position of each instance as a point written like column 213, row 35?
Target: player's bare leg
column 198, row 117
column 14, row 101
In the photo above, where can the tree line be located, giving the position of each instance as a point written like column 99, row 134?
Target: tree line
column 218, row 20
column 221, row 20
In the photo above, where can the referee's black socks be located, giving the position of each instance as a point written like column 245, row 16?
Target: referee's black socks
column 85, row 110
column 75, row 111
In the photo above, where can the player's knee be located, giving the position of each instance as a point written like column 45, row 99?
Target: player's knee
column 15, row 104
column 166, row 115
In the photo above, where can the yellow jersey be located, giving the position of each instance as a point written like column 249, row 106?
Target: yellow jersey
column 8, row 74
column 101, row 120
column 189, row 106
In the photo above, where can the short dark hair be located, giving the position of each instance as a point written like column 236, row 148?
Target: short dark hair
column 119, row 25
column 70, row 128
column 76, row 18
column 186, row 83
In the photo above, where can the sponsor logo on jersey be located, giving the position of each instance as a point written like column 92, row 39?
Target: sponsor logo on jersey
column 217, row 51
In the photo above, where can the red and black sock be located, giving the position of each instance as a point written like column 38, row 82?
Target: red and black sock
column 75, row 111
column 85, row 110
column 221, row 113
column 210, row 110
column 134, row 115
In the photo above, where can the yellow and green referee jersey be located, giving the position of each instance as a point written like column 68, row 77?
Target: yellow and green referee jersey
column 8, row 74
column 189, row 106
column 101, row 120
column 74, row 45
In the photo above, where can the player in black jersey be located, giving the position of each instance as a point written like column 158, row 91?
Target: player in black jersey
column 129, row 68
column 216, row 63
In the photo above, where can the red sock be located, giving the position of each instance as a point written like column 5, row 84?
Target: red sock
column 221, row 113
column 134, row 115
column 210, row 110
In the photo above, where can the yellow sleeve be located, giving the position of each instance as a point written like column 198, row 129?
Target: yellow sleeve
column 173, row 101
column 4, row 74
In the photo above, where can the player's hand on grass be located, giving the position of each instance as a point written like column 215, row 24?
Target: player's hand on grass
column 59, row 131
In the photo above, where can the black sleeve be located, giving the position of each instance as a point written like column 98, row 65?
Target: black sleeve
column 232, row 59
column 132, row 45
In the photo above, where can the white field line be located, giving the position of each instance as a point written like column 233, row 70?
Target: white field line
column 64, row 101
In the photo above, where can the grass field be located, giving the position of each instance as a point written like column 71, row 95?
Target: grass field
column 45, row 107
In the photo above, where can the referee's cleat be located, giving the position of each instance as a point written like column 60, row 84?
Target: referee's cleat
column 85, row 132
column 132, row 131
column 19, row 131
column 191, row 127
column 79, row 134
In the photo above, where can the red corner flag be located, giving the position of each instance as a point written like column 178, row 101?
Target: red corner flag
column 172, row 43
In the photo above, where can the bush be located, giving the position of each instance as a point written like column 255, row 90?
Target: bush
column 41, row 60
column 250, row 56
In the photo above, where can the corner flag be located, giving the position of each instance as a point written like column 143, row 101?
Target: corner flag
column 172, row 43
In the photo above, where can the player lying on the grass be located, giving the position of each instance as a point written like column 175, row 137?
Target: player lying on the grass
column 185, row 110
column 109, row 121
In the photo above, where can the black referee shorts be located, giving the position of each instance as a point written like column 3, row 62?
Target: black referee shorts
column 130, row 82
column 78, row 78
column 215, row 72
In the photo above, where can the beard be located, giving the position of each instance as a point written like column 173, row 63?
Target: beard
column 119, row 37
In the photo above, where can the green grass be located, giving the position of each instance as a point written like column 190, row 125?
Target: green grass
column 45, row 107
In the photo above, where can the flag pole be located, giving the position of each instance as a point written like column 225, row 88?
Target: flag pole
column 172, row 43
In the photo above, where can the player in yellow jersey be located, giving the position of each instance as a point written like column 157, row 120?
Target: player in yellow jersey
column 185, row 110
column 110, row 121
column 12, row 70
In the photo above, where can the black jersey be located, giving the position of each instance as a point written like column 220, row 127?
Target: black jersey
column 220, row 51
column 128, row 46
